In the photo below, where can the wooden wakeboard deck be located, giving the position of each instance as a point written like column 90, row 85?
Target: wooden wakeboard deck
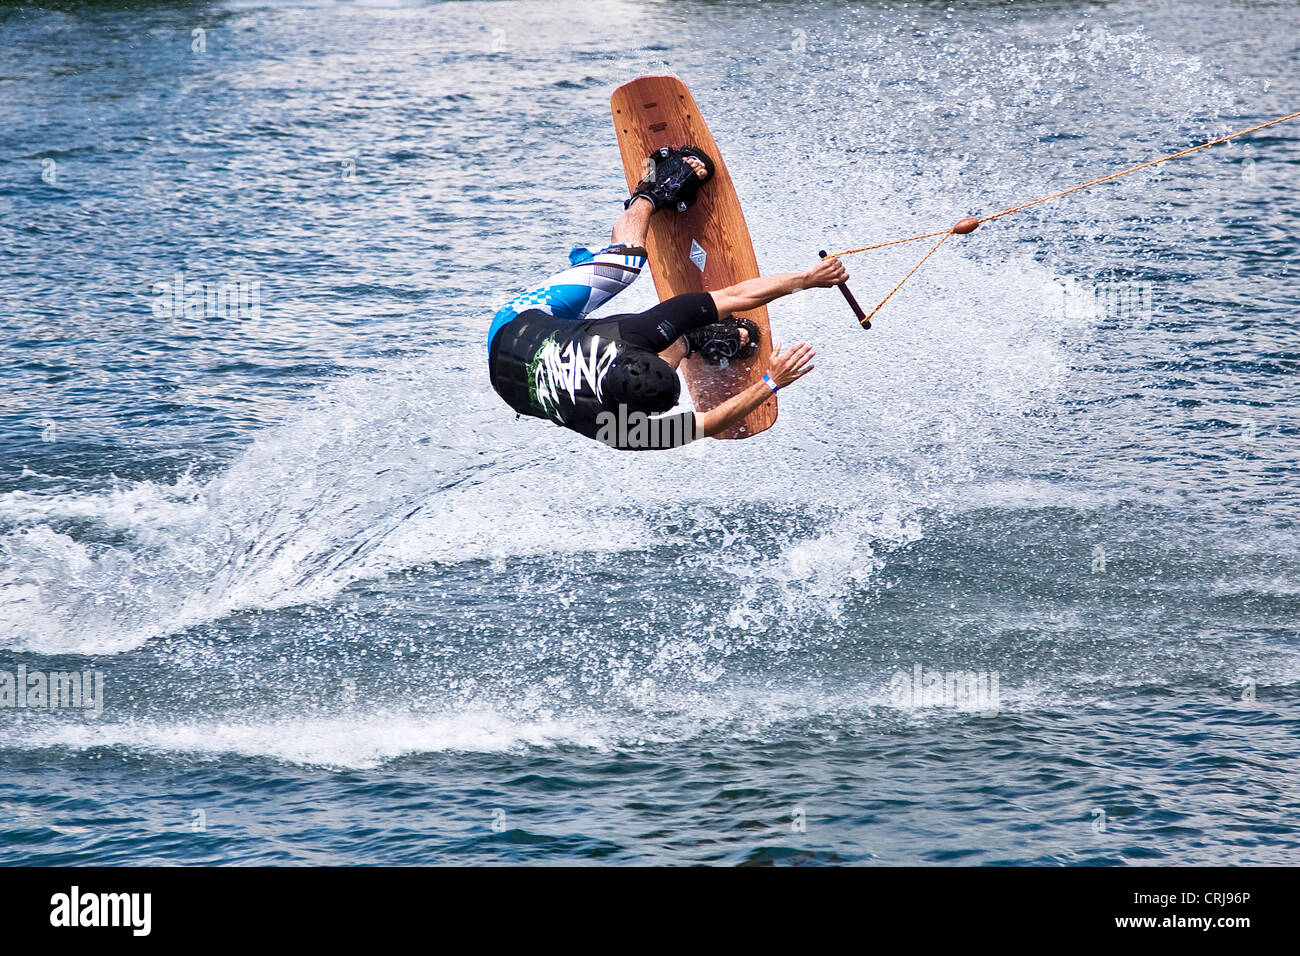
column 655, row 111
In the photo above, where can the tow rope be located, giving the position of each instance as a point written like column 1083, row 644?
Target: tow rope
column 966, row 226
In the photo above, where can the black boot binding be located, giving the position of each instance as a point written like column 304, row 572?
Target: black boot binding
column 673, row 182
column 720, row 342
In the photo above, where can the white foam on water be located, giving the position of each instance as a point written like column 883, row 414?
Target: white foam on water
column 648, row 715
column 418, row 465
column 352, row 742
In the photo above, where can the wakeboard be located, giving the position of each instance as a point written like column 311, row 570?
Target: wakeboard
column 705, row 248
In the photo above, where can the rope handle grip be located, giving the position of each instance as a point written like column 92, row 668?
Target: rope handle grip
column 848, row 297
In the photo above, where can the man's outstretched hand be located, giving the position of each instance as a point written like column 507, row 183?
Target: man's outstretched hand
column 785, row 367
column 825, row 274
column 791, row 366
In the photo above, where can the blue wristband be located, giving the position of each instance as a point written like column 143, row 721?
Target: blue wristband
column 771, row 384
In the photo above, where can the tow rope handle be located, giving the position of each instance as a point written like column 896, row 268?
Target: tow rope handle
column 848, row 297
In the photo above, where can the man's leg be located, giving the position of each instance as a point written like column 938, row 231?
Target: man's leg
column 675, row 353
column 633, row 225
column 594, row 279
column 631, row 229
column 591, row 280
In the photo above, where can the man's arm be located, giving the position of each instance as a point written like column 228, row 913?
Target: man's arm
column 753, row 293
column 786, row 368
